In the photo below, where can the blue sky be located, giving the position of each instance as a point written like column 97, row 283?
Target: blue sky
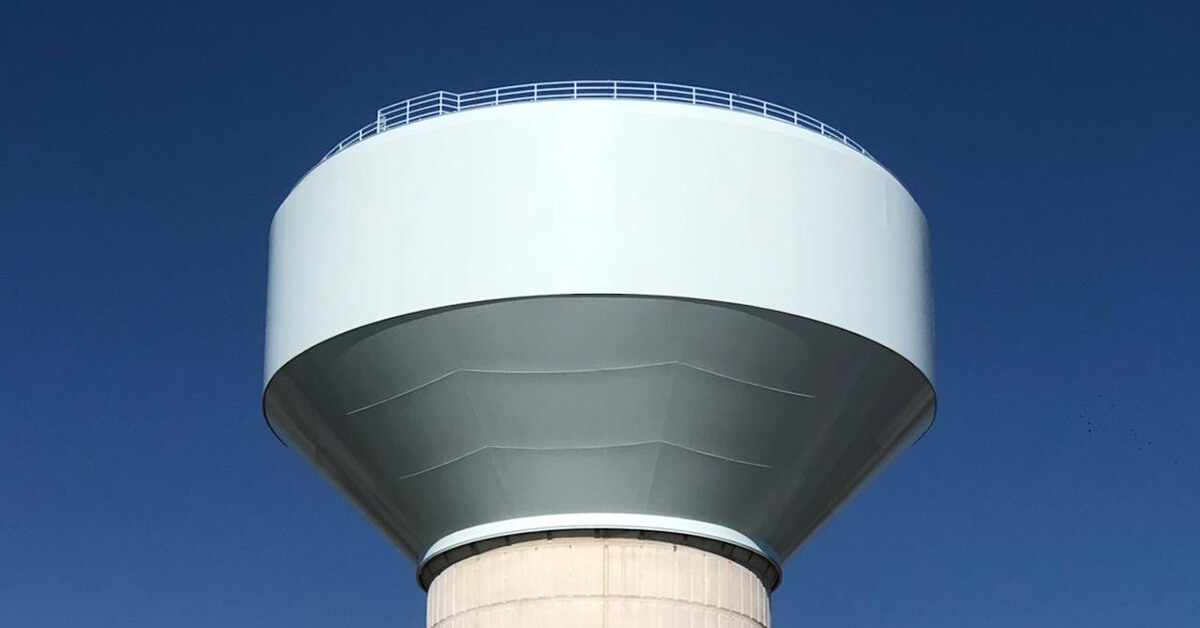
column 1052, row 145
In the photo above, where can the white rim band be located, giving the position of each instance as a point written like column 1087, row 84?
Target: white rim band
column 596, row 521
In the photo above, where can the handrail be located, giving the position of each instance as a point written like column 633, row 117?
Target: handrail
column 442, row 102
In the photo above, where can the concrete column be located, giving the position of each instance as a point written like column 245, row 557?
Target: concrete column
column 597, row 583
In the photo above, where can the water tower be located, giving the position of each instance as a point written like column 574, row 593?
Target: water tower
column 598, row 353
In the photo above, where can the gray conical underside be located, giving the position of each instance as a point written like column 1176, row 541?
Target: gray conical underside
column 754, row 420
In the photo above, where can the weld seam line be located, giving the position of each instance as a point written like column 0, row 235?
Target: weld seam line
column 573, row 371
column 582, row 448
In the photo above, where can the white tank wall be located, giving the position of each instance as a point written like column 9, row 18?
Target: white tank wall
column 599, row 197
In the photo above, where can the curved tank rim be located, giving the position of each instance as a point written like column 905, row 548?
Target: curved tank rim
column 478, row 110
column 596, row 521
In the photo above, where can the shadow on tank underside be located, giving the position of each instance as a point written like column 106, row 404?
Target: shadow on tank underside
column 751, row 419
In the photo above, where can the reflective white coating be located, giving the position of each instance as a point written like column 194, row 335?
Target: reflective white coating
column 599, row 197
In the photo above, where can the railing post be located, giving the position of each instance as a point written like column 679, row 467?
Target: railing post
column 496, row 100
column 614, row 85
column 380, row 122
column 693, row 95
column 535, row 94
column 574, row 90
column 655, row 91
column 407, row 109
column 731, row 102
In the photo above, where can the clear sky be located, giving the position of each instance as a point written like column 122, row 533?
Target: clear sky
column 1052, row 145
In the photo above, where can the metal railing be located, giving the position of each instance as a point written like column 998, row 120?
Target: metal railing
column 443, row 102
